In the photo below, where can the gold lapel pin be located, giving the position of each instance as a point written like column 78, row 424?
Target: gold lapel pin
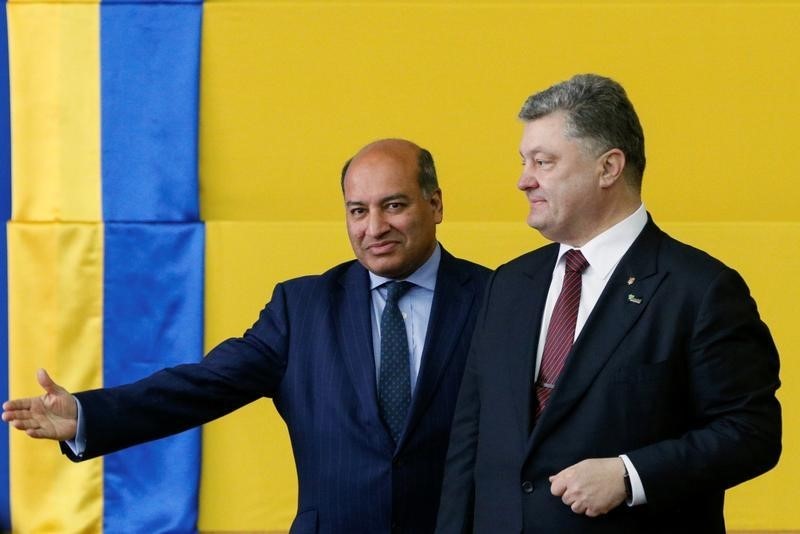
column 633, row 298
column 631, row 280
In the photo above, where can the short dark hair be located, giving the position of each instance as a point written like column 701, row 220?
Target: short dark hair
column 598, row 112
column 428, row 182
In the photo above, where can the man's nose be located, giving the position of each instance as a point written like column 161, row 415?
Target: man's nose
column 527, row 180
column 376, row 224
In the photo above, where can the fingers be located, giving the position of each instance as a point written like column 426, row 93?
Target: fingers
column 16, row 404
column 558, row 485
column 22, row 419
column 25, row 423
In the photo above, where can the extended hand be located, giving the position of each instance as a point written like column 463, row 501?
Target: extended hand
column 592, row 487
column 53, row 415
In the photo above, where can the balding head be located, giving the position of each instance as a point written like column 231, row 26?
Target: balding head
column 403, row 152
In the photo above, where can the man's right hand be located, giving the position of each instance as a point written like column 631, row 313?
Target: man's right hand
column 53, row 415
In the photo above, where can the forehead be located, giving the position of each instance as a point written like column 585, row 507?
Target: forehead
column 381, row 173
column 545, row 133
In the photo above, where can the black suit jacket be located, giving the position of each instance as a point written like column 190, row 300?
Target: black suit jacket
column 311, row 351
column 676, row 370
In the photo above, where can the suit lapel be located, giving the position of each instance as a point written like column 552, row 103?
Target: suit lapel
column 617, row 310
column 449, row 311
column 354, row 330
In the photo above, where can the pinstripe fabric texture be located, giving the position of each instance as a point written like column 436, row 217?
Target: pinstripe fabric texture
column 311, row 352
column 561, row 332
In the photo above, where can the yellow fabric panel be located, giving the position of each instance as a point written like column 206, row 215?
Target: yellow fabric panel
column 54, row 65
column 248, row 480
column 312, row 82
column 55, row 275
column 714, row 83
column 53, row 1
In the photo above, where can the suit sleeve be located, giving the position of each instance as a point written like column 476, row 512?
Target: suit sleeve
column 236, row 372
column 732, row 376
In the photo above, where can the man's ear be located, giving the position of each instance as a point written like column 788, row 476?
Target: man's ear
column 612, row 163
column 436, row 204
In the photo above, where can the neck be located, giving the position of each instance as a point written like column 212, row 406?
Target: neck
column 614, row 214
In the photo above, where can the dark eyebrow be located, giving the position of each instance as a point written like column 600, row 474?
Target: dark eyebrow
column 392, row 198
column 384, row 200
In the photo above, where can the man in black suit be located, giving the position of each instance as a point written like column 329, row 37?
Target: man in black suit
column 618, row 380
column 369, row 421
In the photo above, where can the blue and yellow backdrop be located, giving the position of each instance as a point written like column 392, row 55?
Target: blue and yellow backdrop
column 164, row 163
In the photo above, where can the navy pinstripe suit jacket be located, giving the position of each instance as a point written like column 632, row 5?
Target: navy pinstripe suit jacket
column 311, row 351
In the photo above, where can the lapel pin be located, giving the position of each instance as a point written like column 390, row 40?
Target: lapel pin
column 631, row 280
column 633, row 298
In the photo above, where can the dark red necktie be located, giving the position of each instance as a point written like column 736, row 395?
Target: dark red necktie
column 561, row 332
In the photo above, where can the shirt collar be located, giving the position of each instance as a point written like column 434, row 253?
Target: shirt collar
column 604, row 251
column 424, row 276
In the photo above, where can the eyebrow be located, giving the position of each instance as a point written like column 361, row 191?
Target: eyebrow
column 384, row 200
column 533, row 150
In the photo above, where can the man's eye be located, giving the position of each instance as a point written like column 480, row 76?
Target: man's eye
column 539, row 162
column 357, row 211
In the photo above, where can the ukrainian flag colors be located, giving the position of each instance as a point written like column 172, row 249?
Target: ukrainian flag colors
column 170, row 161
column 105, row 249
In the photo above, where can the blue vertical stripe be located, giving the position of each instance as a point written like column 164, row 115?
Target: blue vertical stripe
column 150, row 57
column 154, row 244
column 153, row 300
column 5, row 213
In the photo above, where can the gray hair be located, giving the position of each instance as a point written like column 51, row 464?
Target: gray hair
column 599, row 113
column 428, row 183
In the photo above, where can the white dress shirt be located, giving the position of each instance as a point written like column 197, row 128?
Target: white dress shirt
column 603, row 253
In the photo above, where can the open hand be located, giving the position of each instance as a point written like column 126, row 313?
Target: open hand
column 53, row 415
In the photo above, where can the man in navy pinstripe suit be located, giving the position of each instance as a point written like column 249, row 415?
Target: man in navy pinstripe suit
column 315, row 351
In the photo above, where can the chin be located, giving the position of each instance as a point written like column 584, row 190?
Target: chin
column 534, row 222
column 382, row 269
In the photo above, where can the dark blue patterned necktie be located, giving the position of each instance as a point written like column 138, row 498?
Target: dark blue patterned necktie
column 394, row 382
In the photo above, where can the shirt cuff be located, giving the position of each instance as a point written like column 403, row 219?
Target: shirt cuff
column 637, row 489
column 78, row 444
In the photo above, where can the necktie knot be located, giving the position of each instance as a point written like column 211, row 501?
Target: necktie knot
column 576, row 262
column 395, row 290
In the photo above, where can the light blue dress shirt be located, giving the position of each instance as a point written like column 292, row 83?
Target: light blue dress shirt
column 415, row 305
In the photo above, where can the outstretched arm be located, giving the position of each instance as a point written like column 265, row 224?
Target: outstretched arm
column 53, row 415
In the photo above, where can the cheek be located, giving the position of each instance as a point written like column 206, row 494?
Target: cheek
column 355, row 232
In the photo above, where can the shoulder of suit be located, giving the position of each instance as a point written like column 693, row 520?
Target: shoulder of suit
column 470, row 266
column 541, row 257
column 675, row 255
column 331, row 275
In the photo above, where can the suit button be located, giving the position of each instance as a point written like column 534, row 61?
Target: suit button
column 527, row 486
